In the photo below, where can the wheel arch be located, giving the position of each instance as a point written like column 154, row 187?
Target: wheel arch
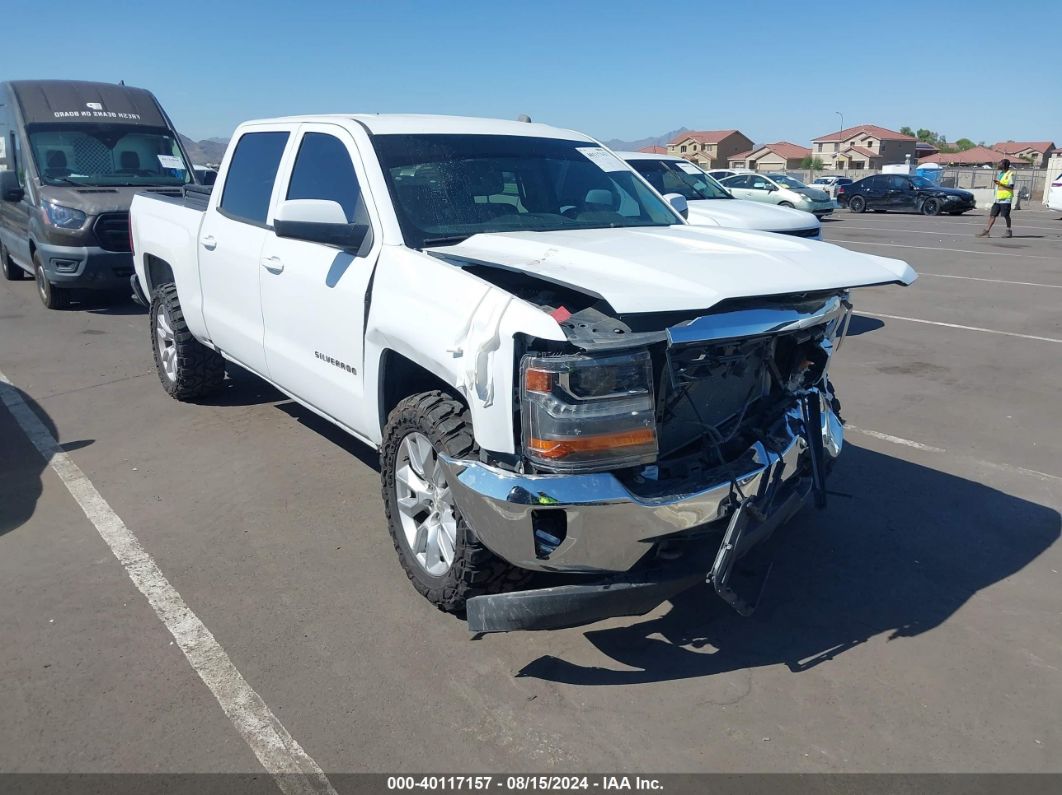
column 399, row 377
column 157, row 271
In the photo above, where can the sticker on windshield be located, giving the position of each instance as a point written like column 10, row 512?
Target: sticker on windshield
column 689, row 168
column 602, row 158
column 170, row 161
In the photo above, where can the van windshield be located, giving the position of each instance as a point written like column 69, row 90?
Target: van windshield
column 106, row 155
column 449, row 187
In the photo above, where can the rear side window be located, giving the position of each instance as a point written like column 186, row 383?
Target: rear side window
column 252, row 172
column 323, row 170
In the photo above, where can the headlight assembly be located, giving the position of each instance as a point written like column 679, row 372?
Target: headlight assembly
column 586, row 413
column 63, row 217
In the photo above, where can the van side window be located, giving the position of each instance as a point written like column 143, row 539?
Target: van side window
column 323, row 170
column 252, row 172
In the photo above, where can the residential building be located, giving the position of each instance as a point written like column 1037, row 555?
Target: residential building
column 709, row 148
column 925, row 149
column 1035, row 153
column 654, row 150
column 863, row 146
column 978, row 156
column 780, row 156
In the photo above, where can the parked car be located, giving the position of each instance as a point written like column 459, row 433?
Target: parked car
column 780, row 189
column 205, row 174
column 904, row 193
column 1054, row 194
column 559, row 373
column 75, row 154
column 710, row 204
column 719, row 174
column 831, row 184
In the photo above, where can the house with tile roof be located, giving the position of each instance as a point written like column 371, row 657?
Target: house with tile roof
column 1035, row 153
column 863, row 146
column 780, row 156
column 654, row 150
column 977, row 156
column 709, row 148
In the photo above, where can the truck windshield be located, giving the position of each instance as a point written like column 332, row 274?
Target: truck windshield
column 449, row 187
column 106, row 155
column 671, row 176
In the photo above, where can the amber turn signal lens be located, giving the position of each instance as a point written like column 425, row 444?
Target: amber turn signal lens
column 538, row 380
column 562, row 448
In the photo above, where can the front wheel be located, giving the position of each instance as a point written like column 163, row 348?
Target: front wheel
column 12, row 272
column 786, row 204
column 438, row 550
column 931, row 207
column 51, row 296
column 857, row 204
column 187, row 368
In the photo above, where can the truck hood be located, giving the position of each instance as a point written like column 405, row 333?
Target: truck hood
column 740, row 214
column 661, row 269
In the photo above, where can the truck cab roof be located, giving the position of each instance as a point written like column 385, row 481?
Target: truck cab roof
column 405, row 123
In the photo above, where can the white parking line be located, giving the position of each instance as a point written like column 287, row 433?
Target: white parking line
column 938, row 232
column 994, row 281
column 291, row 767
column 886, row 437
column 937, row 248
column 956, row 325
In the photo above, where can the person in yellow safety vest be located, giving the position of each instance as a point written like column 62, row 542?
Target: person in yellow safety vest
column 1004, row 183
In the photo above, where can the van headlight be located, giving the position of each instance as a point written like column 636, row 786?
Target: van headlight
column 586, row 413
column 63, row 217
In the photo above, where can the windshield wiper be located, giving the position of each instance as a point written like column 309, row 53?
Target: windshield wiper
column 444, row 240
column 67, row 181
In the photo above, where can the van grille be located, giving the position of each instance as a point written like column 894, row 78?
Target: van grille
column 112, row 231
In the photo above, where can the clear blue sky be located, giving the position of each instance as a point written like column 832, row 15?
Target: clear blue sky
column 619, row 69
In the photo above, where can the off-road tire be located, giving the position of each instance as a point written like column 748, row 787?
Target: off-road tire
column 12, row 272
column 931, row 207
column 857, row 204
column 475, row 570
column 51, row 296
column 200, row 371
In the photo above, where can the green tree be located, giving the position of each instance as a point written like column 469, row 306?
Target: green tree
column 813, row 163
column 963, row 144
column 907, row 131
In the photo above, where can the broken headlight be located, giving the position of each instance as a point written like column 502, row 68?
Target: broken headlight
column 584, row 413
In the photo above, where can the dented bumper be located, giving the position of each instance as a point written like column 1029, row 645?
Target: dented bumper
column 601, row 526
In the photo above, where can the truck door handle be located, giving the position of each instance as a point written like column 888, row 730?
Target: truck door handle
column 273, row 264
column 209, row 243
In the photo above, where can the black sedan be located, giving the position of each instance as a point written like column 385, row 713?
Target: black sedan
column 903, row 193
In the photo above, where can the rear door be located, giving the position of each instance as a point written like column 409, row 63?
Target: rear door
column 901, row 193
column 230, row 243
column 314, row 295
column 873, row 190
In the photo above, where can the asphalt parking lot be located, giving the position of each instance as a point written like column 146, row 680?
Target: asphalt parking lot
column 914, row 625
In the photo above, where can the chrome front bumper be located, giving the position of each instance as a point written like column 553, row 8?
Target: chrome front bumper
column 608, row 527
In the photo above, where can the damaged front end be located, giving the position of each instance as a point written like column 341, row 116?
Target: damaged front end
column 658, row 453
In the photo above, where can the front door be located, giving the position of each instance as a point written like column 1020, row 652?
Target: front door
column 14, row 216
column 230, row 246
column 314, row 295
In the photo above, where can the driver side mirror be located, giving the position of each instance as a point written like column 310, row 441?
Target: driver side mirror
column 678, row 203
column 771, row 188
column 318, row 221
column 10, row 190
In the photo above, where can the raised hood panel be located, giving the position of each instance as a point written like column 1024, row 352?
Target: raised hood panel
column 740, row 214
column 663, row 269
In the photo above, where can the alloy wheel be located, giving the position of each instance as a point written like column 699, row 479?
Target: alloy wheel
column 425, row 505
column 167, row 345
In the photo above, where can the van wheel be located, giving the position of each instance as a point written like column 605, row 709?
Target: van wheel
column 857, row 204
column 439, row 552
column 51, row 296
column 187, row 368
column 12, row 272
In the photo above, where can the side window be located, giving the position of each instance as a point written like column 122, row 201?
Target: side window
column 323, row 170
column 737, row 182
column 251, row 174
column 759, row 183
column 899, row 183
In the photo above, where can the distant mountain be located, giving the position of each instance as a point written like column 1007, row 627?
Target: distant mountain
column 209, row 150
column 634, row 146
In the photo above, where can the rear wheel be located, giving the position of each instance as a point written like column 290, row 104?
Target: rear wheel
column 187, row 368
column 51, row 296
column 786, row 204
column 438, row 550
column 12, row 272
column 931, row 207
column 857, row 204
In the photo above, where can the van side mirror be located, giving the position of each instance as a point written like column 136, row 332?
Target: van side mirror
column 678, row 203
column 318, row 221
column 10, row 190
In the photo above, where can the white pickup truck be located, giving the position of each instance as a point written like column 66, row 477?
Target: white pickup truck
column 560, row 374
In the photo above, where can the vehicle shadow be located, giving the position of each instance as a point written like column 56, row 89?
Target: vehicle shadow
column 21, row 464
column 902, row 555
column 105, row 303
column 861, row 324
